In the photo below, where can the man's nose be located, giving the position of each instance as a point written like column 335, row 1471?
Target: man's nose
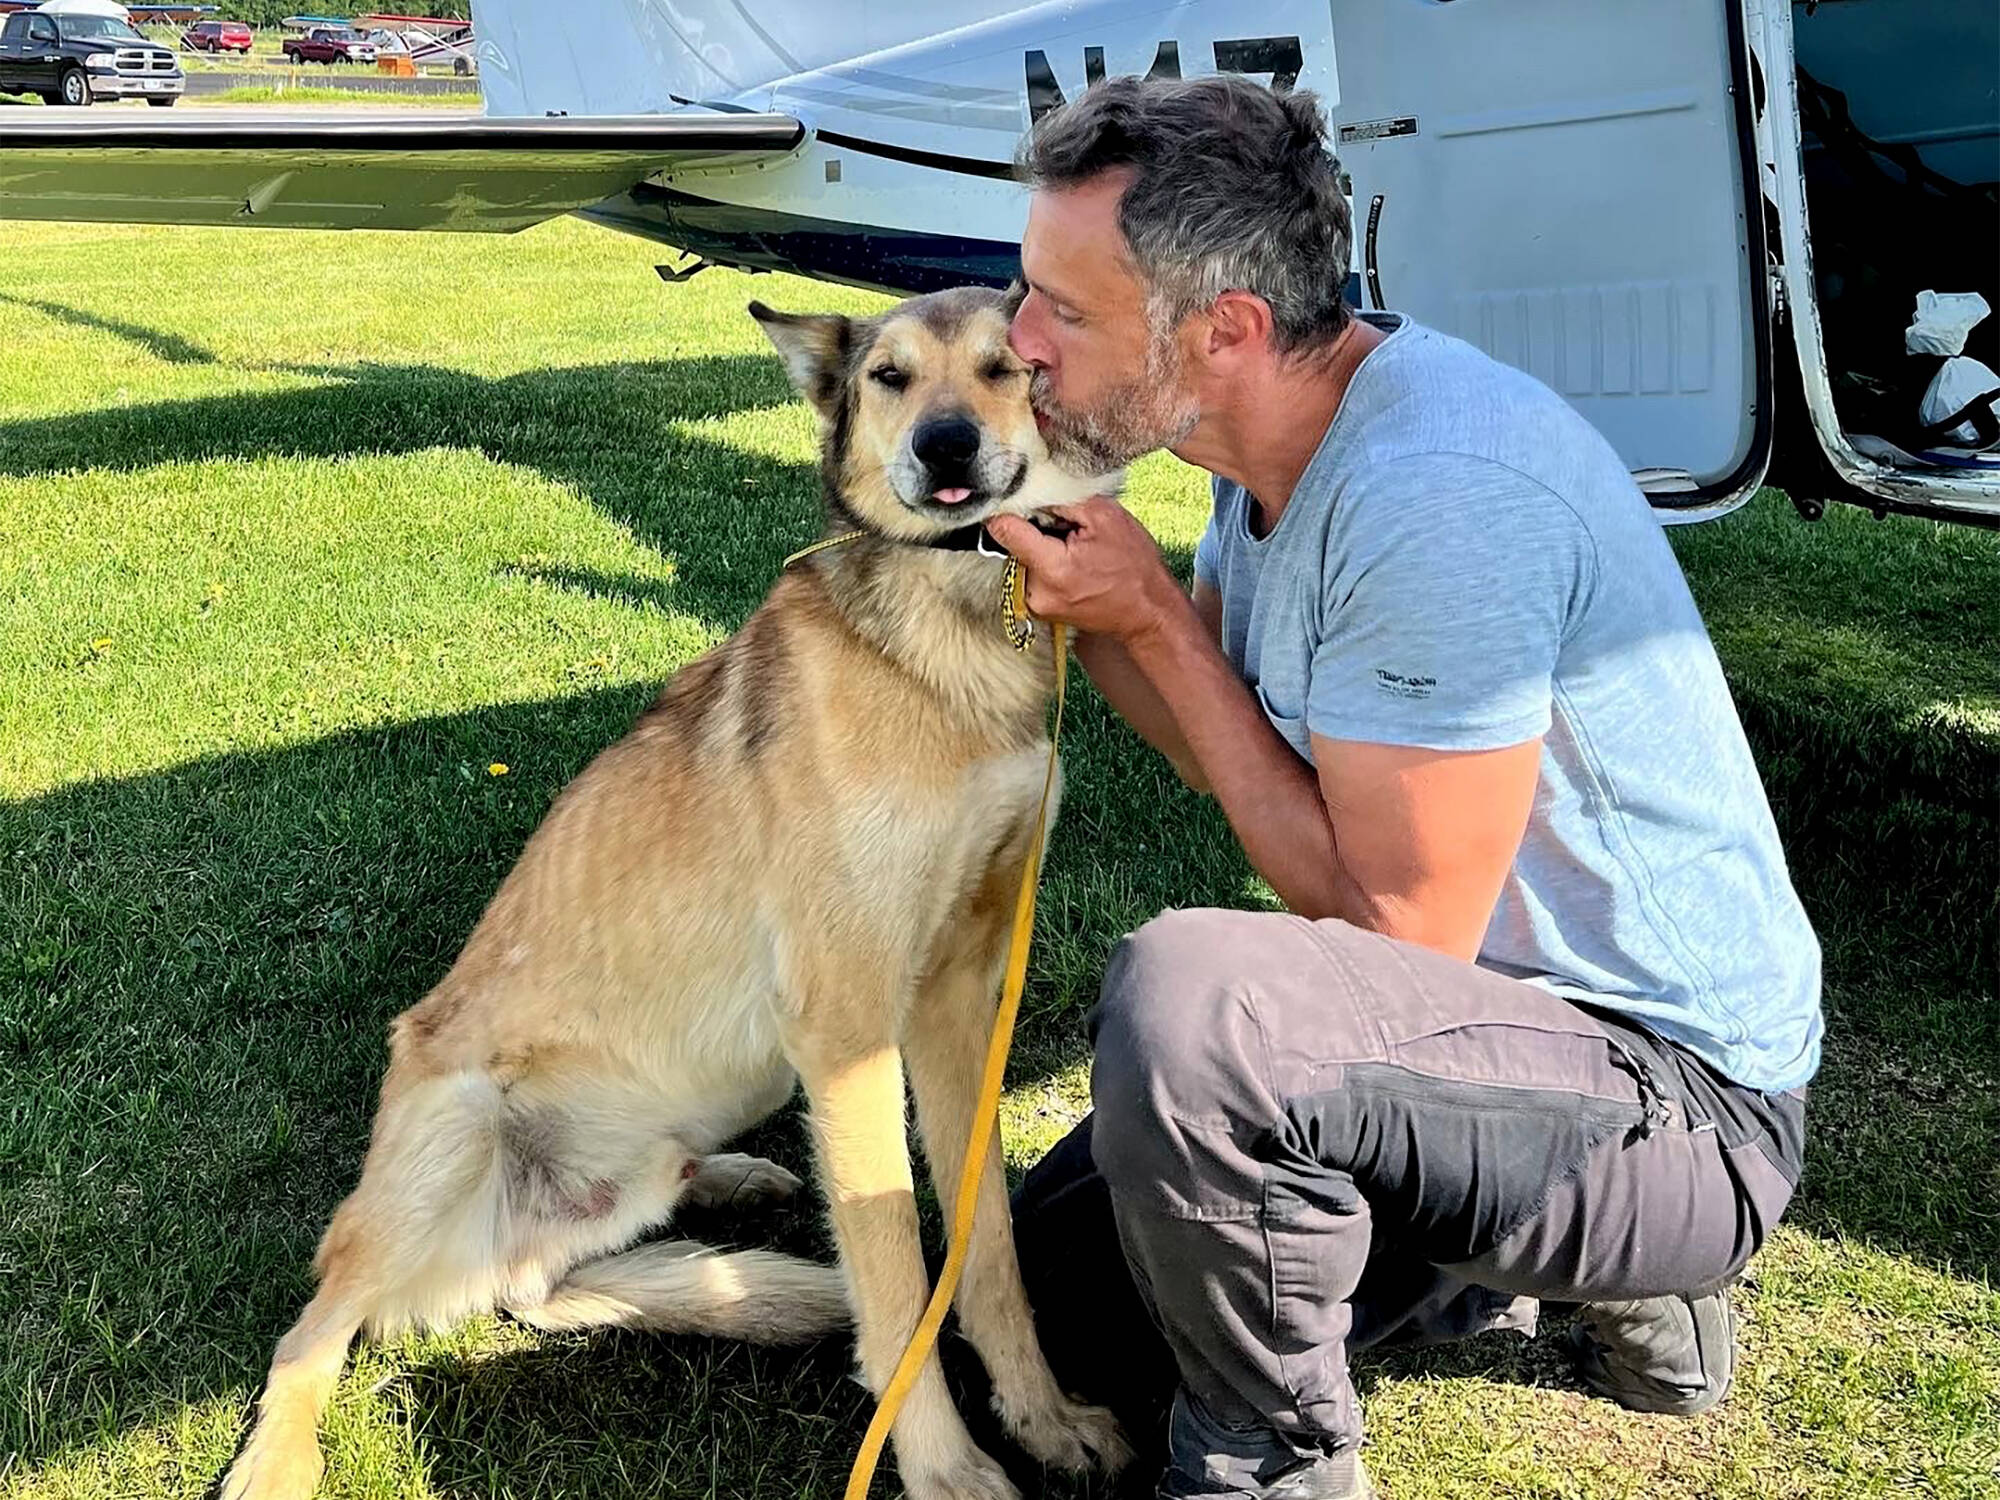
column 1027, row 344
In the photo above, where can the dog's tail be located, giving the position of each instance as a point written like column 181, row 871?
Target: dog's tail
column 677, row 1286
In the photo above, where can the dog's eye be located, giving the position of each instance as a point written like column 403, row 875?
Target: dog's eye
column 999, row 369
column 889, row 376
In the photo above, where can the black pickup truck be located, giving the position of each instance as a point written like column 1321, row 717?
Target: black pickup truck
column 73, row 59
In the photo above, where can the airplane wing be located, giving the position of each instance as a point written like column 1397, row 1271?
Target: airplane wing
column 377, row 170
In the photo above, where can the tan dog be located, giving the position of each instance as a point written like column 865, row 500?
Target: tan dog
column 800, row 865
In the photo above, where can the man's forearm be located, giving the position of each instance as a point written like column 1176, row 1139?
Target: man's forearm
column 1126, row 689
column 1269, row 793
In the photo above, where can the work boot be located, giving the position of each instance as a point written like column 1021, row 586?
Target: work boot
column 1208, row 1461
column 1674, row 1355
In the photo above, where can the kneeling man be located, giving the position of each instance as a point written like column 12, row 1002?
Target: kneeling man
column 1538, row 1021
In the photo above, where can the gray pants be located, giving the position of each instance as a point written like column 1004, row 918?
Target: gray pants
column 1314, row 1138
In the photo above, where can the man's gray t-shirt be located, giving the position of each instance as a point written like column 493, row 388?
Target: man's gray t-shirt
column 1466, row 564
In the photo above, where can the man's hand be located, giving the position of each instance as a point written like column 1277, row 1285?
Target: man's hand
column 1105, row 578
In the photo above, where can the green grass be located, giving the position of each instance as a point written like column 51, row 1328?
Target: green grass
column 283, row 573
column 306, row 93
column 261, row 93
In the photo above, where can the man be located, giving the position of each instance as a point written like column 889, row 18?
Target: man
column 1539, row 1020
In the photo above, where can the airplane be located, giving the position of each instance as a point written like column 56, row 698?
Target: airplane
column 423, row 39
column 1615, row 195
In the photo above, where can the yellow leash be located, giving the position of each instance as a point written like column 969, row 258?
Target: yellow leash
column 1020, row 630
column 822, row 544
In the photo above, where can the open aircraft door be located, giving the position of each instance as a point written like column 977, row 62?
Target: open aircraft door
column 1585, row 207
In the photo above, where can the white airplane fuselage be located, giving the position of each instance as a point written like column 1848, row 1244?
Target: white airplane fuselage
column 905, row 182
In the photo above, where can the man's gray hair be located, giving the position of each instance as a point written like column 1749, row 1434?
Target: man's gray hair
column 1233, row 189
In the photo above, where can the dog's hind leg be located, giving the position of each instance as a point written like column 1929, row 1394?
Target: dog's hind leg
column 469, row 1193
column 428, row 1178
column 669, row 1287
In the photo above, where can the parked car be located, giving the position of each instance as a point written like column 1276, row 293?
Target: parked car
column 217, row 36
column 329, row 45
column 72, row 58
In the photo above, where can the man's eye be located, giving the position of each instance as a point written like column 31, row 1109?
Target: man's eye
column 1065, row 314
column 889, row 376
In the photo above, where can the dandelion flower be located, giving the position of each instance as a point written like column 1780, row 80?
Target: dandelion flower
column 498, row 768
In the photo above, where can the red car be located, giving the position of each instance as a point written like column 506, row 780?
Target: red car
column 329, row 45
column 217, row 36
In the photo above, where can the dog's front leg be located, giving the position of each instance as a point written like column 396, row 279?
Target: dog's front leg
column 946, row 1040
column 855, row 1088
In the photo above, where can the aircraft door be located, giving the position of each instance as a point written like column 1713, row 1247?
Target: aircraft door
column 1562, row 183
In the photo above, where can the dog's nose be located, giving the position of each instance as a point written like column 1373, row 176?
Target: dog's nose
column 945, row 444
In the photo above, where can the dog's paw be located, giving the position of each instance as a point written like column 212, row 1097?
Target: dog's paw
column 278, row 1463
column 976, row 1477
column 1066, row 1434
column 731, row 1180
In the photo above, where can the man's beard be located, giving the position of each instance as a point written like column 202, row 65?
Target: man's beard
column 1133, row 418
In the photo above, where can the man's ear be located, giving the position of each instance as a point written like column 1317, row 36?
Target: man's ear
column 814, row 347
column 1239, row 323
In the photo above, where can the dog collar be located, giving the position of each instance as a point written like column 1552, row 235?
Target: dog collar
column 974, row 538
column 967, row 539
column 961, row 539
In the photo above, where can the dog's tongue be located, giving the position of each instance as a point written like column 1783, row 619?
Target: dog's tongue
column 950, row 496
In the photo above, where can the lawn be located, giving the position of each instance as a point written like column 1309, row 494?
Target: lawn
column 316, row 94
column 303, row 536
column 290, row 94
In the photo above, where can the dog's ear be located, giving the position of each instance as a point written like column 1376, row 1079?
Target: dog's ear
column 1017, row 293
column 814, row 347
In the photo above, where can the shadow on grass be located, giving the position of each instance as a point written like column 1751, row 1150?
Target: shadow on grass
column 631, row 1415
column 1899, row 869
column 614, row 588
column 170, row 347
column 616, row 433
column 1861, row 656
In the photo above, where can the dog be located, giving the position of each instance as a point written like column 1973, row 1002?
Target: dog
column 798, row 867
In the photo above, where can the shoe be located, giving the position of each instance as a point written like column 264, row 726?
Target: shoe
column 1671, row 1355
column 1208, row 1461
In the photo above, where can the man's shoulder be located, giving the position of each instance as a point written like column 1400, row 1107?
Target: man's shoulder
column 1426, row 391
column 1442, row 425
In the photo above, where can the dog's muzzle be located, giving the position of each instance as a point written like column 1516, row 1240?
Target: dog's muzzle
column 949, row 469
column 947, row 448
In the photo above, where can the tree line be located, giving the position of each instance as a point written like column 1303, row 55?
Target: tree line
column 271, row 12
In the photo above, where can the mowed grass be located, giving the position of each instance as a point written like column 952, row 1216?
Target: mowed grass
column 265, row 93
column 308, row 93
column 303, row 536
